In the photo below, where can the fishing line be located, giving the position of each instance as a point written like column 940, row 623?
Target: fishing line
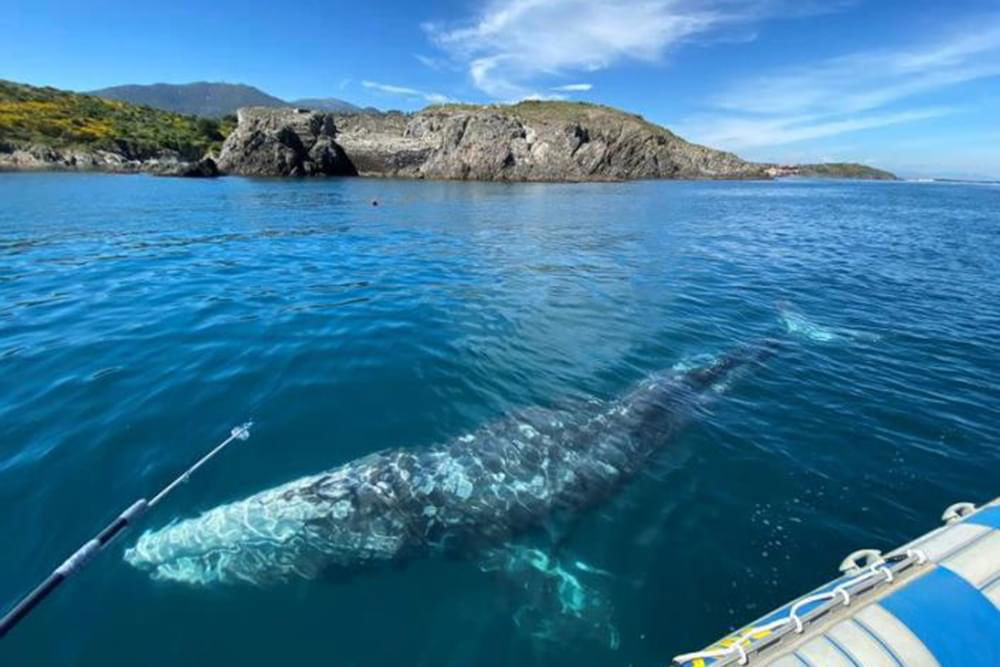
column 85, row 553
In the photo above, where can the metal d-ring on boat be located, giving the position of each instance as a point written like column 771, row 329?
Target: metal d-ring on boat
column 932, row 602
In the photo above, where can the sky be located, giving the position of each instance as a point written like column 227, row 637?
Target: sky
column 912, row 86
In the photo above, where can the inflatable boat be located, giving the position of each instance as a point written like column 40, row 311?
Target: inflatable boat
column 934, row 601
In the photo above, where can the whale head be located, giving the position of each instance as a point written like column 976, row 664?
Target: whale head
column 297, row 530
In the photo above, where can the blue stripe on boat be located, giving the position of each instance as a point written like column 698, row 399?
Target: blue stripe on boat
column 989, row 516
column 871, row 633
column 802, row 660
column 956, row 622
column 843, row 650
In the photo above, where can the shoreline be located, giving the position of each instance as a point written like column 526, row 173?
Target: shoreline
column 56, row 169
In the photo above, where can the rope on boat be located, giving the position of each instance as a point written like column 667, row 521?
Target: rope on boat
column 82, row 556
column 877, row 570
column 870, row 569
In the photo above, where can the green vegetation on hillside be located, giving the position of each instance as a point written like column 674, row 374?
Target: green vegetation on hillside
column 554, row 111
column 845, row 170
column 51, row 117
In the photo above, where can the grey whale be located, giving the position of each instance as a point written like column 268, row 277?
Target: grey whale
column 476, row 492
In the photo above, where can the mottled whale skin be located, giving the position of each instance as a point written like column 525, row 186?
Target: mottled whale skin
column 473, row 493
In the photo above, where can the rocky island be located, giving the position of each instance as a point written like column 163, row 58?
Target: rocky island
column 529, row 141
column 44, row 128
column 835, row 170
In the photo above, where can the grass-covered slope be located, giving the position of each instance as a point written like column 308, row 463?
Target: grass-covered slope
column 851, row 170
column 59, row 119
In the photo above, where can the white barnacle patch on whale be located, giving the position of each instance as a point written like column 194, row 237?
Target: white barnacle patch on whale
column 537, row 485
column 463, row 488
column 340, row 509
column 528, row 431
column 423, row 486
column 454, row 480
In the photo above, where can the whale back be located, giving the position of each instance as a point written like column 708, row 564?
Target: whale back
column 477, row 490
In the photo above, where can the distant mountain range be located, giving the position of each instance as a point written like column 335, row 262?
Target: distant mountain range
column 329, row 104
column 213, row 100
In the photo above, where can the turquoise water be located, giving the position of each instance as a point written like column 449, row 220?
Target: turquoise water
column 141, row 318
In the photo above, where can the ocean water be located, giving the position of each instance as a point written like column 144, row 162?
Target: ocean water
column 142, row 318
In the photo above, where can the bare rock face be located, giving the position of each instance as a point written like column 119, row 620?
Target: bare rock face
column 37, row 157
column 203, row 168
column 283, row 142
column 530, row 141
column 378, row 144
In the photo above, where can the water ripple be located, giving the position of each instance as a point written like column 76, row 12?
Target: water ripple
column 141, row 318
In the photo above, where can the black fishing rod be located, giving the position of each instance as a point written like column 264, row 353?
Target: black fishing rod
column 83, row 555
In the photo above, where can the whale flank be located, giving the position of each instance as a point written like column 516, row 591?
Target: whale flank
column 471, row 496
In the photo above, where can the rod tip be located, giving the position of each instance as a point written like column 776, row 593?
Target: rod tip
column 242, row 431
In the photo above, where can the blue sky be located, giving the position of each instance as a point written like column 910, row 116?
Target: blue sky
column 911, row 86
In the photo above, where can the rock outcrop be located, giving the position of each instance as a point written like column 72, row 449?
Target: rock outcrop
column 530, row 141
column 283, row 142
column 203, row 168
column 16, row 156
column 35, row 157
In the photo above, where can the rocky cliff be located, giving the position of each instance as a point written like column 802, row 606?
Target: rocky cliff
column 530, row 141
column 45, row 128
column 283, row 142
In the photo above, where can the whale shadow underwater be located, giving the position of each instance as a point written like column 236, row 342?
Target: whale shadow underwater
column 482, row 495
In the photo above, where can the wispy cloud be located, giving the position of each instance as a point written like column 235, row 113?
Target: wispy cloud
column 437, row 64
column 855, row 91
column 866, row 80
column 513, row 44
column 427, row 61
column 735, row 132
column 413, row 93
column 574, row 87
